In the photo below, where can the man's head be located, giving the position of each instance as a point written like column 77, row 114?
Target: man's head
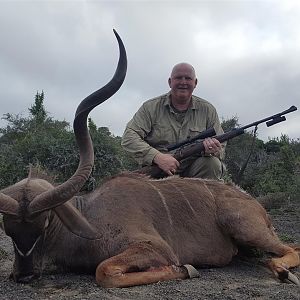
column 182, row 82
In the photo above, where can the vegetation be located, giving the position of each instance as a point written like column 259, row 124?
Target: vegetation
column 272, row 168
column 269, row 168
column 50, row 144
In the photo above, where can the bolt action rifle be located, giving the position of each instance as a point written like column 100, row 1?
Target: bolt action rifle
column 194, row 146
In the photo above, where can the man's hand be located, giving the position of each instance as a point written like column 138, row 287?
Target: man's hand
column 212, row 146
column 166, row 162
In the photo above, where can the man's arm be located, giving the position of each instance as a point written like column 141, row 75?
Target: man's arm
column 133, row 142
column 145, row 154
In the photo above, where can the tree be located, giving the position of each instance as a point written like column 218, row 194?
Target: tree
column 281, row 171
column 32, row 140
column 37, row 110
column 40, row 140
column 241, row 152
column 110, row 158
column 272, row 167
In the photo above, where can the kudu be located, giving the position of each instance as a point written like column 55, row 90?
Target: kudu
column 133, row 230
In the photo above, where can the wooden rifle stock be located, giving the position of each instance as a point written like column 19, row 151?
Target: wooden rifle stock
column 194, row 149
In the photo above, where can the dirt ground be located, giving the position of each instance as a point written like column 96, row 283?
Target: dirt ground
column 244, row 278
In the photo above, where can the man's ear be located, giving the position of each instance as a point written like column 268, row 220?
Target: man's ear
column 169, row 82
column 196, row 81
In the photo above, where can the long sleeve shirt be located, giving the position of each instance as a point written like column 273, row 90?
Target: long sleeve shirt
column 157, row 124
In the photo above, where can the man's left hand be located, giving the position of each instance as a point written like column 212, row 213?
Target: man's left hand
column 212, row 146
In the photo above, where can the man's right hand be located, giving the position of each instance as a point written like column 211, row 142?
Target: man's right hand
column 166, row 162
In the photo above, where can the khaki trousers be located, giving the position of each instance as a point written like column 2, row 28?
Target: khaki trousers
column 208, row 167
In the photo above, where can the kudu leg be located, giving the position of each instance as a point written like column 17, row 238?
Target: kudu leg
column 251, row 226
column 138, row 265
column 280, row 265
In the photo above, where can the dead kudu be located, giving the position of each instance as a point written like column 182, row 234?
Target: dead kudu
column 133, row 230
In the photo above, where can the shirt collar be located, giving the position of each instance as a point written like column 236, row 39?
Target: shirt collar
column 167, row 101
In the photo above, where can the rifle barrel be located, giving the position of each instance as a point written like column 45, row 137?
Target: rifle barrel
column 276, row 118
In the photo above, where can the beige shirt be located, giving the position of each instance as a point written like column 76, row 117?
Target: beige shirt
column 156, row 124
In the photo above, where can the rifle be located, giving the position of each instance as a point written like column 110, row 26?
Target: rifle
column 195, row 145
column 201, row 136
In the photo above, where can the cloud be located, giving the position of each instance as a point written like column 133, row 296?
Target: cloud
column 246, row 55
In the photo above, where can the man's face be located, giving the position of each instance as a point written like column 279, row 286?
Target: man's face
column 182, row 82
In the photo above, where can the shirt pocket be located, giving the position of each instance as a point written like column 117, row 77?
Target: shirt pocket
column 160, row 135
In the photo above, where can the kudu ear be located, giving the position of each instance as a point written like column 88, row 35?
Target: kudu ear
column 8, row 205
column 75, row 221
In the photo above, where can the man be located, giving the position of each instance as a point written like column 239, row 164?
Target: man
column 171, row 118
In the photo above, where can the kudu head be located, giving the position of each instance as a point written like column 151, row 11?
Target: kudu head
column 26, row 206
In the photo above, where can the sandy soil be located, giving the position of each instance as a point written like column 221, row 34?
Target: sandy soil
column 244, row 278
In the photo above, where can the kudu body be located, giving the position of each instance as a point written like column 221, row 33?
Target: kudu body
column 133, row 230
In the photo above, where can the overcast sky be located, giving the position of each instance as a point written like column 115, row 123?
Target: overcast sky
column 246, row 55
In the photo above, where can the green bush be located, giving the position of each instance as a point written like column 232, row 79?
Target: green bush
column 50, row 144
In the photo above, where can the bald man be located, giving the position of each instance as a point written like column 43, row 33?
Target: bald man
column 172, row 118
